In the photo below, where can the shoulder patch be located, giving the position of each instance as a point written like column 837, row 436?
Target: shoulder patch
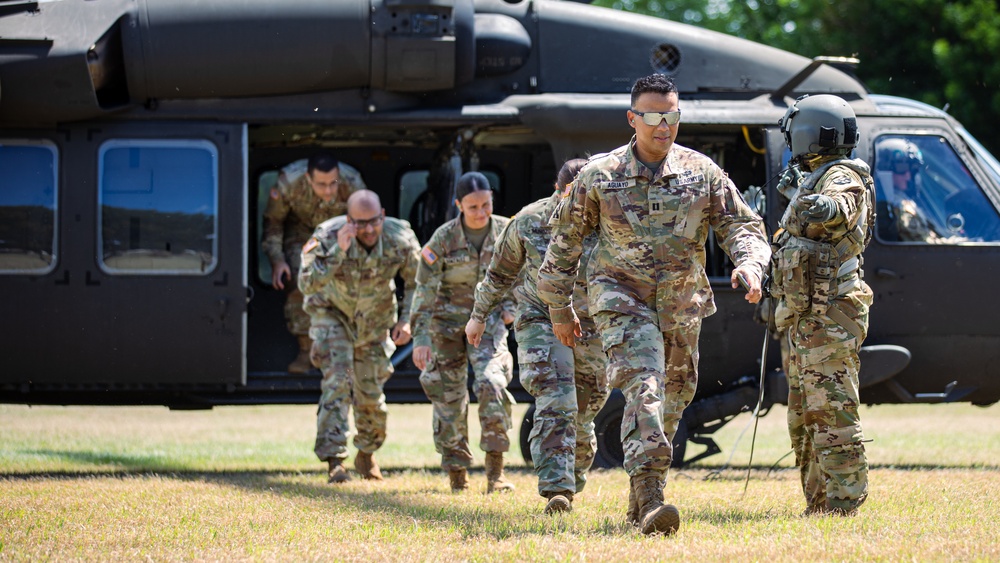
column 841, row 180
column 274, row 193
column 567, row 190
column 309, row 245
column 429, row 256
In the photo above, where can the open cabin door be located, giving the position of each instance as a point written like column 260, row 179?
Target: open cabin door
column 123, row 257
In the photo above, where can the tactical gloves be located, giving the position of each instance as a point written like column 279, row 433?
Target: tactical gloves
column 817, row 208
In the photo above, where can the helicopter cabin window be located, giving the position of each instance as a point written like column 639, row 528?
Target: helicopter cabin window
column 158, row 207
column 415, row 202
column 28, row 190
column 926, row 195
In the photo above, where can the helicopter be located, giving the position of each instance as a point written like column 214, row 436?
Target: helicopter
column 139, row 140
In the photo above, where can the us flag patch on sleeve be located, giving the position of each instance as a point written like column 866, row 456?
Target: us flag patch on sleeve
column 274, row 193
column 311, row 244
column 429, row 256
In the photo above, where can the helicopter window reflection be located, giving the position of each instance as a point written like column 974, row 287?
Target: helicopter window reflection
column 28, row 189
column 157, row 207
column 925, row 194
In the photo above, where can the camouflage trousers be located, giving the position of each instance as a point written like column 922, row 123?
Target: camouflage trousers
column 570, row 386
column 658, row 374
column 821, row 362
column 351, row 376
column 296, row 318
column 445, row 381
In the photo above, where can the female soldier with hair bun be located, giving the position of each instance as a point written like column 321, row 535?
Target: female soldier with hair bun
column 453, row 261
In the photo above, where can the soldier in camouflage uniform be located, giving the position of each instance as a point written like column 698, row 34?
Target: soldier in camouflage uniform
column 652, row 203
column 348, row 280
column 453, row 261
column 307, row 193
column 821, row 312
column 569, row 384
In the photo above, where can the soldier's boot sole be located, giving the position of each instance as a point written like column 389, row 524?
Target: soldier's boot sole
column 557, row 504
column 665, row 519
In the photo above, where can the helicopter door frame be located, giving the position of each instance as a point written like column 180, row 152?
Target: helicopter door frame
column 149, row 281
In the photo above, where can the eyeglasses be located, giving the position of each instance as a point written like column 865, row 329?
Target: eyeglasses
column 330, row 184
column 653, row 118
column 365, row 223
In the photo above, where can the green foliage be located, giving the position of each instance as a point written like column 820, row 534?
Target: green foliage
column 939, row 52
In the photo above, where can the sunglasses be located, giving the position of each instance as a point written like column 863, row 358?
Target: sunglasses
column 653, row 118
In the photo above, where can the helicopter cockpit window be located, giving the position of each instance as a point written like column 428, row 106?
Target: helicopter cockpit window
column 925, row 194
column 158, row 207
column 415, row 205
column 28, row 188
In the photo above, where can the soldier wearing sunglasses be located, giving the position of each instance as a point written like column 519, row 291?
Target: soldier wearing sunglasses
column 652, row 202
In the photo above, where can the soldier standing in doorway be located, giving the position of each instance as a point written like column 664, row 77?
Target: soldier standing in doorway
column 306, row 194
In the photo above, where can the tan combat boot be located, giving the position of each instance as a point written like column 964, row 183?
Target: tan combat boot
column 632, row 515
column 654, row 516
column 338, row 473
column 561, row 501
column 302, row 363
column 495, row 479
column 459, row 479
column 367, row 466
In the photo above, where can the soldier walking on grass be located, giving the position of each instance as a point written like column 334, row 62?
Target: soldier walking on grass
column 652, row 203
column 348, row 272
column 452, row 262
column 570, row 385
column 822, row 305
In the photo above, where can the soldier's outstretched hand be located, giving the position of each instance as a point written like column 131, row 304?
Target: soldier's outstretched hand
column 474, row 331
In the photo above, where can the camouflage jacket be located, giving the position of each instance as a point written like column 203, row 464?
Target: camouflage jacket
column 446, row 279
column 293, row 211
column 517, row 257
column 652, row 229
column 357, row 287
column 818, row 263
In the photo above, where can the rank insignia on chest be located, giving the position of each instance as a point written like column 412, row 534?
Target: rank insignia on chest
column 655, row 204
column 429, row 256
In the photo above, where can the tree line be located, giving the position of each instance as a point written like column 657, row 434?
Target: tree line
column 940, row 52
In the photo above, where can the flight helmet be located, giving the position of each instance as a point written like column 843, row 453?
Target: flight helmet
column 899, row 155
column 820, row 125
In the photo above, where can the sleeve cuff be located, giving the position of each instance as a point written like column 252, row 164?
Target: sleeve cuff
column 561, row 315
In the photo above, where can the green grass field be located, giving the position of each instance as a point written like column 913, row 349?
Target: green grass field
column 132, row 483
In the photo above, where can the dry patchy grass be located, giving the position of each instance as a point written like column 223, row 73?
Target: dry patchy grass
column 241, row 483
